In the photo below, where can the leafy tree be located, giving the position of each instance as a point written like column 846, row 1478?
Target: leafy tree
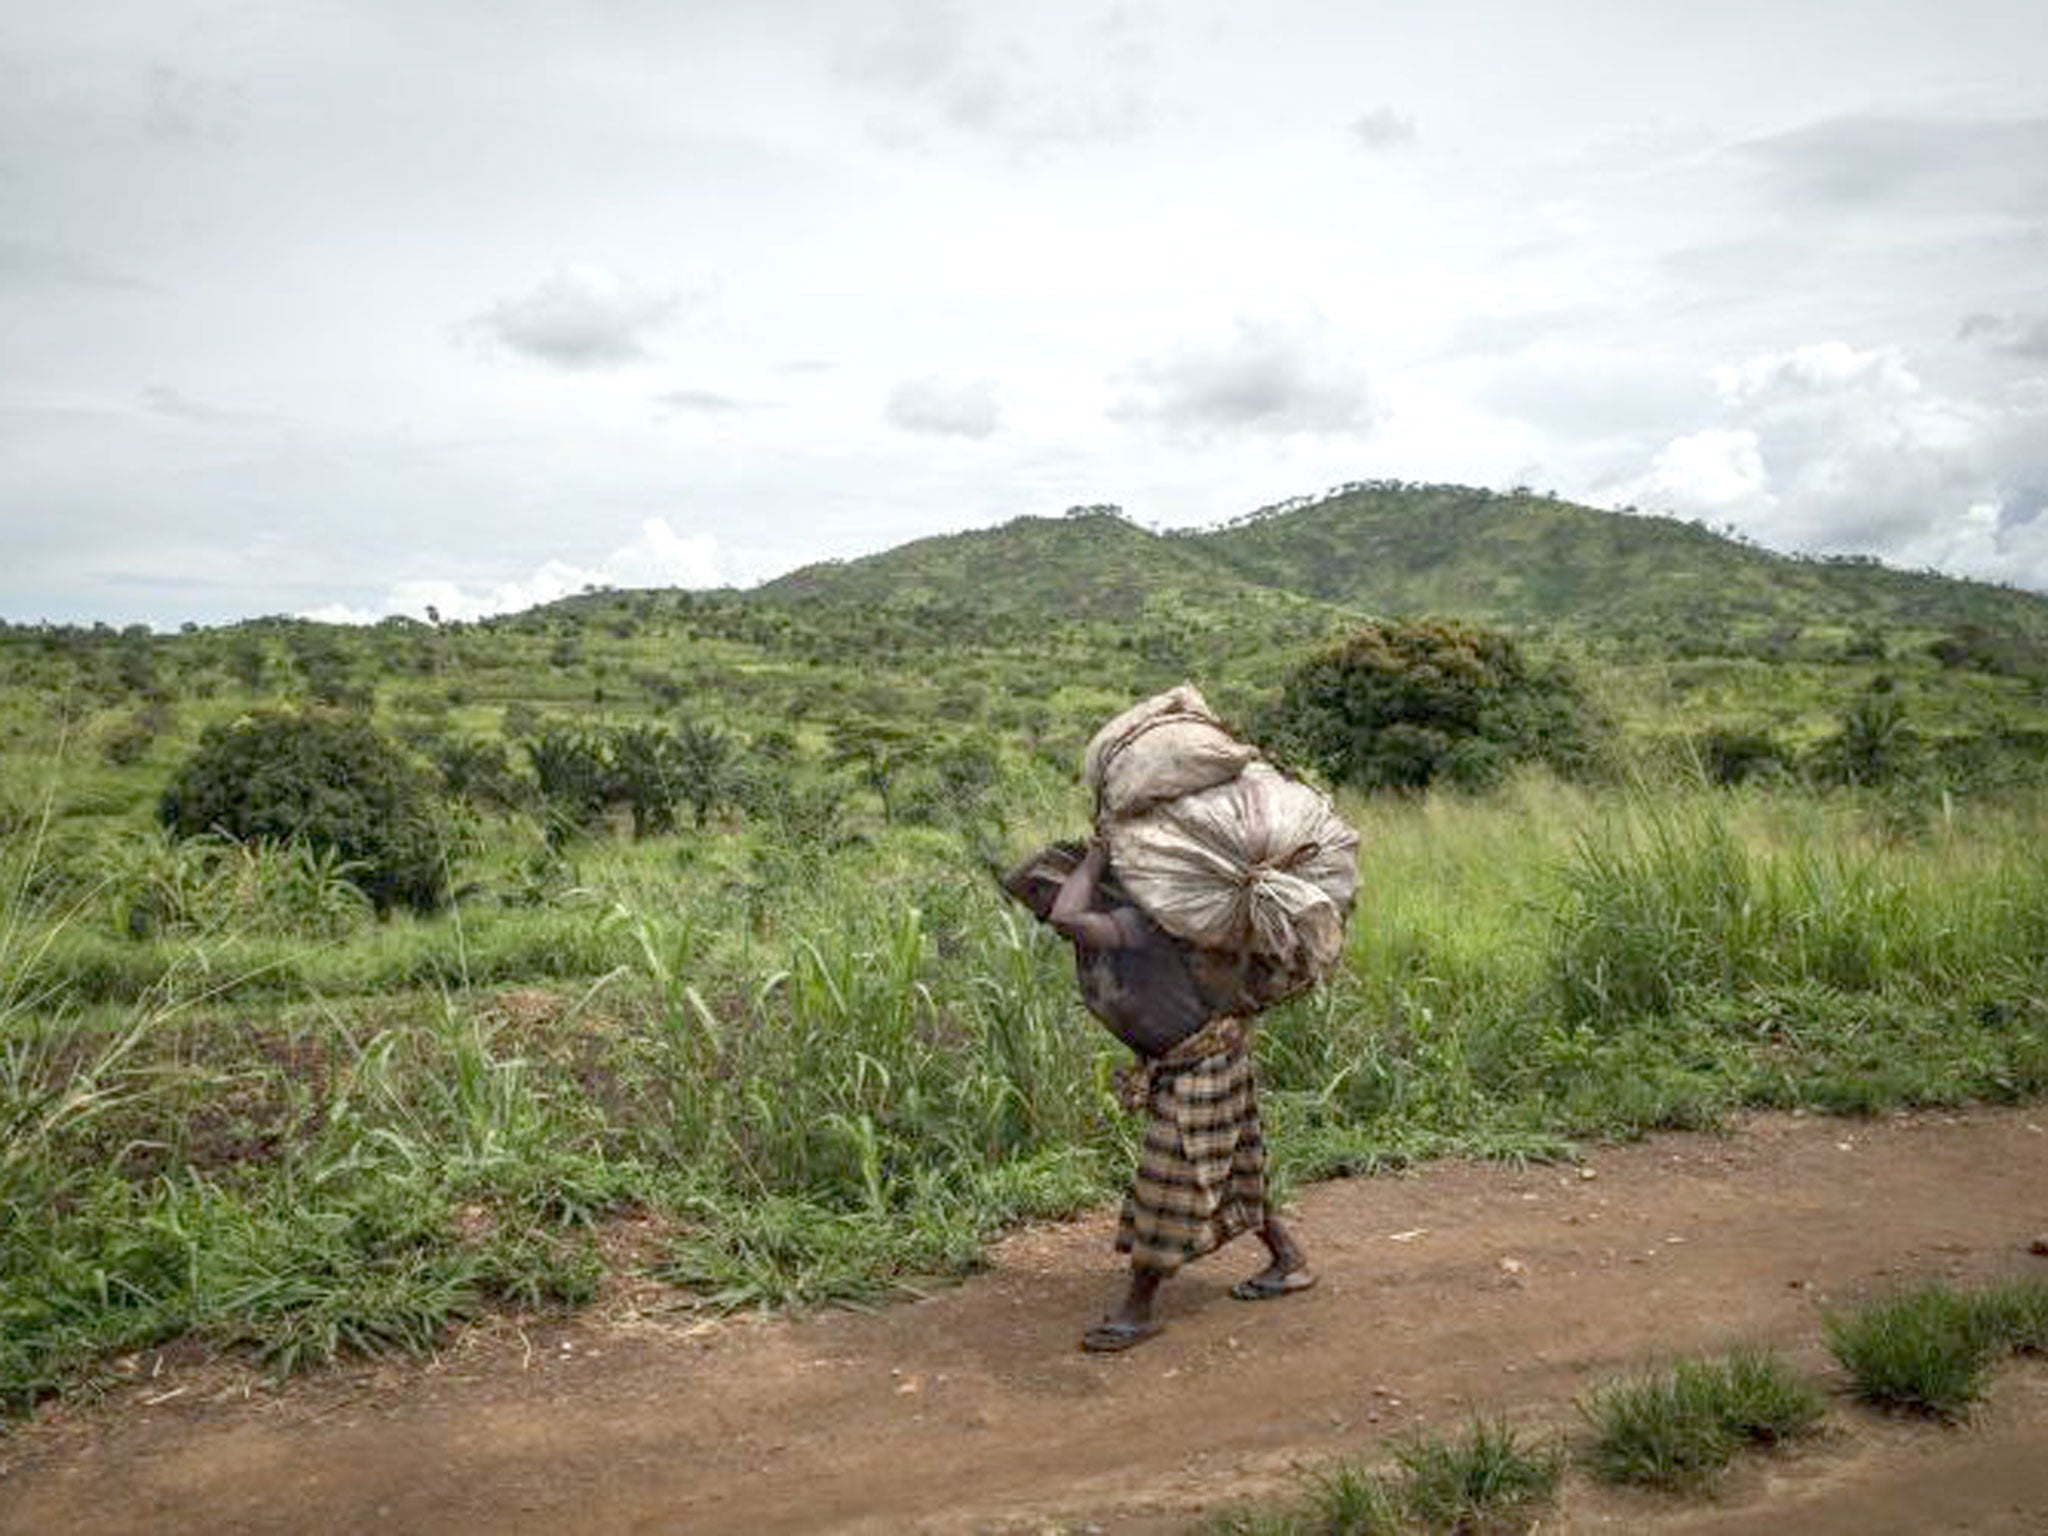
column 326, row 779
column 1405, row 705
column 327, row 668
column 129, row 739
column 1982, row 649
column 574, row 774
column 135, row 663
column 1729, row 755
column 1873, row 744
column 954, row 784
column 646, row 773
column 878, row 753
column 246, row 661
column 706, row 768
column 519, row 719
column 480, row 772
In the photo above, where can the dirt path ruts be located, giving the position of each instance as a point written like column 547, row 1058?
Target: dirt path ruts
column 1461, row 1287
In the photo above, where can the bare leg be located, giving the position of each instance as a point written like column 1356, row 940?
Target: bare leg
column 1137, row 1307
column 1132, row 1322
column 1288, row 1271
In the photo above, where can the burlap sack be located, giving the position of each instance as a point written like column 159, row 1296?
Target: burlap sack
column 1169, row 746
column 1261, row 865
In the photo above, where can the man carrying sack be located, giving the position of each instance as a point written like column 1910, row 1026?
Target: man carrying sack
column 1231, row 856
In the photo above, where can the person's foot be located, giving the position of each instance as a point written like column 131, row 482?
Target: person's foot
column 1114, row 1334
column 1274, row 1280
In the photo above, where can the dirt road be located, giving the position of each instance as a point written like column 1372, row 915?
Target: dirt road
column 1459, row 1288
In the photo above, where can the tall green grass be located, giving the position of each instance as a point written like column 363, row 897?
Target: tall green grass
column 1669, row 903
column 827, row 1074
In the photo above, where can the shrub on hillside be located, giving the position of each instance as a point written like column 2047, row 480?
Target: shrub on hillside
column 1875, row 744
column 649, row 770
column 1733, row 755
column 1974, row 647
column 1408, row 705
column 328, row 780
column 574, row 772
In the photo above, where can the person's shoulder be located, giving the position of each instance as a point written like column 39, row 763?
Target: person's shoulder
column 1140, row 930
column 1137, row 930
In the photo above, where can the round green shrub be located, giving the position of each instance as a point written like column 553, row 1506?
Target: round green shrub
column 324, row 778
column 1408, row 705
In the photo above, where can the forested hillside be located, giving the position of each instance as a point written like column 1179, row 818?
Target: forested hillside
column 1516, row 559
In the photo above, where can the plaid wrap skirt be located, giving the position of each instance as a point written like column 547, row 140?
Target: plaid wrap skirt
column 1202, row 1169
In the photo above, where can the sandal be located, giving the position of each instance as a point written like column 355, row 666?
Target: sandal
column 1112, row 1335
column 1265, row 1285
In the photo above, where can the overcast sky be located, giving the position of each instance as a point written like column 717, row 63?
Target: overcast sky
column 345, row 307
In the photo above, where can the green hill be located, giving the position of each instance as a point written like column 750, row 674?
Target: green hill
column 1532, row 561
column 1092, row 564
column 1516, row 560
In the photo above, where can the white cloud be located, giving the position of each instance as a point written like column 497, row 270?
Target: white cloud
column 657, row 557
column 1832, row 448
column 1815, row 371
column 1268, row 376
column 27, row 263
column 1061, row 78
column 1384, row 128
column 704, row 402
column 944, row 407
column 661, row 557
column 1852, row 163
column 2015, row 335
column 184, row 109
column 1991, row 540
column 581, row 317
column 1716, row 470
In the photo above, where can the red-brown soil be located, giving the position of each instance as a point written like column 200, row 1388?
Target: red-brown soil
column 1461, row 1288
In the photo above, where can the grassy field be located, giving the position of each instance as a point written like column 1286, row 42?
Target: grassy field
column 782, row 1017
column 823, row 1074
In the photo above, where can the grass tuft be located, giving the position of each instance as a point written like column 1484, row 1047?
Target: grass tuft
column 1453, row 1485
column 1679, row 1428
column 1924, row 1351
column 1476, row 1482
column 2015, row 1315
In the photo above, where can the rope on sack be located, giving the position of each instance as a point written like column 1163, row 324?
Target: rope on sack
column 1122, row 744
column 1269, row 919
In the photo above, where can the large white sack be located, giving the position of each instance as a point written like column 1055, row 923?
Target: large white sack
column 1262, row 865
column 1168, row 746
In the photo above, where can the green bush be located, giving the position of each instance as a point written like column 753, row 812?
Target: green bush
column 574, row 773
column 1732, row 755
column 1874, row 744
column 325, row 779
column 1405, row 706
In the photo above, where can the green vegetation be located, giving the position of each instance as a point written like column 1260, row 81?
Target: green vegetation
column 2015, row 1313
column 706, row 955
column 1523, row 558
column 1404, row 706
column 1486, row 1479
column 328, row 781
column 1678, row 1428
column 1929, row 1350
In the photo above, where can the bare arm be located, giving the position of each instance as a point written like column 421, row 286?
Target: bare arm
column 1071, row 909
